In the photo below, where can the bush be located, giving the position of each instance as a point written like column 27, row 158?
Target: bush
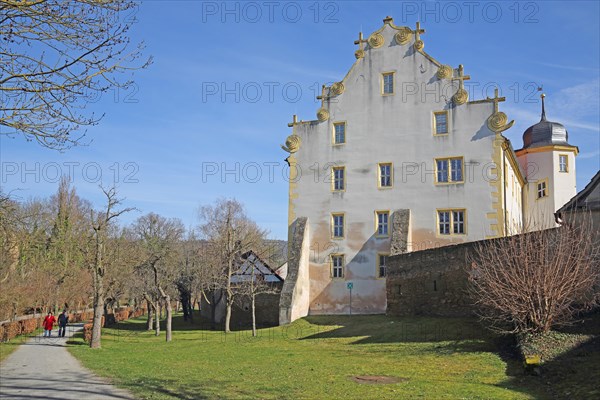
column 11, row 330
column 87, row 332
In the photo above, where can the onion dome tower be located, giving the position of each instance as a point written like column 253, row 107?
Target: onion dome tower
column 549, row 162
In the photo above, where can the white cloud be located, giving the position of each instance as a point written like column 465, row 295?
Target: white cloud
column 577, row 101
column 584, row 156
column 570, row 67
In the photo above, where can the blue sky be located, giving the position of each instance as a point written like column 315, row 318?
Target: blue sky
column 227, row 78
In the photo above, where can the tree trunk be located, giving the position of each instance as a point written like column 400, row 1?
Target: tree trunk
column 169, row 317
column 95, row 343
column 228, row 315
column 253, row 316
column 157, row 318
column 150, row 320
column 213, row 311
column 190, row 308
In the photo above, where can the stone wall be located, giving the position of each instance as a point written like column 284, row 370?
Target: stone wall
column 429, row 282
column 435, row 281
column 267, row 309
column 400, row 231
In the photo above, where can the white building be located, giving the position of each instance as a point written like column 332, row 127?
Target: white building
column 400, row 159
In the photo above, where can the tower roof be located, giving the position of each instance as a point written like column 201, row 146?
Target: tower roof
column 545, row 132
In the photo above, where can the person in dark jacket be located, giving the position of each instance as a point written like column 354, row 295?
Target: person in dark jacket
column 63, row 320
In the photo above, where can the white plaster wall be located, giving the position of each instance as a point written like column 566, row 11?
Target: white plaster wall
column 565, row 184
column 514, row 207
column 561, row 186
column 398, row 129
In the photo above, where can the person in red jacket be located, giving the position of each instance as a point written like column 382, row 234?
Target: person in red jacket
column 49, row 324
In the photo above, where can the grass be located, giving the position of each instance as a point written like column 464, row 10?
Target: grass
column 570, row 359
column 315, row 357
column 6, row 349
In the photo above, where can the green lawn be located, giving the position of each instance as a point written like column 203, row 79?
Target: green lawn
column 8, row 348
column 315, row 357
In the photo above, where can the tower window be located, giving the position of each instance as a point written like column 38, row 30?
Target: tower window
column 563, row 163
column 542, row 189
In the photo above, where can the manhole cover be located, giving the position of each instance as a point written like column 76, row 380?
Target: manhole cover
column 377, row 380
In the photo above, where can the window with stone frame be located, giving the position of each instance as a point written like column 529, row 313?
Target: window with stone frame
column 337, row 266
column 337, row 225
column 339, row 179
column 441, row 122
column 382, row 265
column 388, row 83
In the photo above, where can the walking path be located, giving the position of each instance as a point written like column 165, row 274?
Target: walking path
column 42, row 368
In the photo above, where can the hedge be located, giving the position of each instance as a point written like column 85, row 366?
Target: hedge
column 12, row 329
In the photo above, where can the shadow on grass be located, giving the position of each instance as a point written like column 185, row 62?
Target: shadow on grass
column 177, row 390
column 574, row 374
column 446, row 336
column 138, row 325
column 384, row 329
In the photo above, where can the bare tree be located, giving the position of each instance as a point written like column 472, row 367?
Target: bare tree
column 159, row 240
column 229, row 232
column 55, row 57
column 535, row 281
column 41, row 265
column 189, row 279
column 212, row 278
column 100, row 223
column 252, row 280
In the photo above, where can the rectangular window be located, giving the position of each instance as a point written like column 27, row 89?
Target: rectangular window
column 442, row 170
column 563, row 162
column 339, row 133
column 383, row 218
column 337, row 266
column 381, row 265
column 458, row 222
column 449, row 170
column 451, row 222
column 388, row 83
column 542, row 189
column 385, row 175
column 339, row 181
column 444, row 222
column 441, row 122
column 337, row 225
column 456, row 174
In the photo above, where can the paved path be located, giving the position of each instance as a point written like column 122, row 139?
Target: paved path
column 42, row 368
